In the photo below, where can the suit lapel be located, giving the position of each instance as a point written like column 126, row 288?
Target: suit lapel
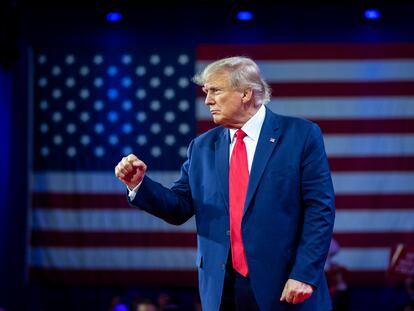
column 222, row 165
column 268, row 139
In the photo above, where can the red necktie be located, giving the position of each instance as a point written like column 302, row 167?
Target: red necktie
column 238, row 180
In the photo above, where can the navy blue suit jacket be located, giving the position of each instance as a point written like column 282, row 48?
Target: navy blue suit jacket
column 288, row 215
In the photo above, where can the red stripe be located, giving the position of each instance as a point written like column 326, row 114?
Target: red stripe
column 366, row 126
column 187, row 239
column 369, row 239
column 171, row 278
column 79, row 200
column 346, row 126
column 367, row 164
column 375, row 201
column 112, row 239
column 307, row 51
column 83, row 201
column 344, row 89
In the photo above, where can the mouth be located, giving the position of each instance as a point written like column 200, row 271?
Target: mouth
column 213, row 111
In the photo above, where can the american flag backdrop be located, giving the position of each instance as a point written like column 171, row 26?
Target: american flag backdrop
column 91, row 108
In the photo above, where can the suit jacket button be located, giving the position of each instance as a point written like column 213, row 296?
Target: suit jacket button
column 223, row 266
column 228, row 232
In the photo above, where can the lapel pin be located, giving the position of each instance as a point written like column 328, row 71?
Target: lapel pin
column 272, row 140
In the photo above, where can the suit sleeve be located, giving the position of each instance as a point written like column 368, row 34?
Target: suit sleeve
column 319, row 211
column 172, row 205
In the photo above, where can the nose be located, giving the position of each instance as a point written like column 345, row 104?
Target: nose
column 209, row 100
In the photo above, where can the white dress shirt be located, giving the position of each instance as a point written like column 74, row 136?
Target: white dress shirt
column 252, row 129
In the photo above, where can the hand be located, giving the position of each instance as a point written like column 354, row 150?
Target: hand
column 130, row 171
column 296, row 292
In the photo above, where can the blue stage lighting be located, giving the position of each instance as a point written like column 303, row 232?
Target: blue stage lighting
column 244, row 15
column 113, row 16
column 372, row 14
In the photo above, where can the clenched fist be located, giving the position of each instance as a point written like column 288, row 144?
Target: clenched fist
column 130, row 171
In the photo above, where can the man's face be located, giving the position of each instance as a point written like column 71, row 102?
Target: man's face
column 225, row 103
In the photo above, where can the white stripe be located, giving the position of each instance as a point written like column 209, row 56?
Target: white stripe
column 96, row 182
column 381, row 107
column 333, row 70
column 114, row 258
column 374, row 221
column 373, row 182
column 173, row 258
column 350, row 182
column 369, row 144
column 132, row 220
column 113, row 220
column 363, row 258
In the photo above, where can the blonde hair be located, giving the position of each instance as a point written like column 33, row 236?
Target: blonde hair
column 244, row 73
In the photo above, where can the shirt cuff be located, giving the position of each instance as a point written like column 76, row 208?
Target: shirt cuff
column 132, row 193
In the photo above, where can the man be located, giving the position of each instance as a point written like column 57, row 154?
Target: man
column 260, row 189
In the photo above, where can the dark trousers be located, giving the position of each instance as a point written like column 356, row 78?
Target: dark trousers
column 237, row 292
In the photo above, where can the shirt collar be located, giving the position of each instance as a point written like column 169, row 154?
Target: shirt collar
column 253, row 126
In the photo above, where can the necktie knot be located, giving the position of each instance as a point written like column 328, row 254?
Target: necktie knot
column 240, row 134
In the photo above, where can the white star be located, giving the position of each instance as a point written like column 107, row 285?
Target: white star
column 71, row 128
column 155, row 105
column 56, row 93
column 42, row 82
column 182, row 152
column 126, row 105
column 183, row 128
column 127, row 150
column 44, row 151
column 70, row 82
column 141, row 140
column 99, row 128
column 155, row 59
column 183, row 82
column 57, row 139
column 169, row 116
column 127, row 128
column 141, row 116
column 140, row 71
column 85, row 140
column 84, row 116
column 84, row 70
column 44, row 128
column 98, row 105
column 70, row 105
column 98, row 82
column 42, row 59
column 99, row 151
column 44, row 105
column 141, row 93
column 155, row 82
column 183, row 59
column 84, row 93
column 169, row 140
column 126, row 59
column 71, row 152
column 156, row 151
column 98, row 59
column 169, row 93
column 70, row 59
column 169, row 71
column 56, row 70
column 155, row 128
column 183, row 105
column 56, row 116
column 113, row 140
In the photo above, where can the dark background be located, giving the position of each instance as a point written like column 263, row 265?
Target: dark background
column 25, row 25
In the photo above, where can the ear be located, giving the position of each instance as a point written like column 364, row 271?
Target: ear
column 247, row 95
